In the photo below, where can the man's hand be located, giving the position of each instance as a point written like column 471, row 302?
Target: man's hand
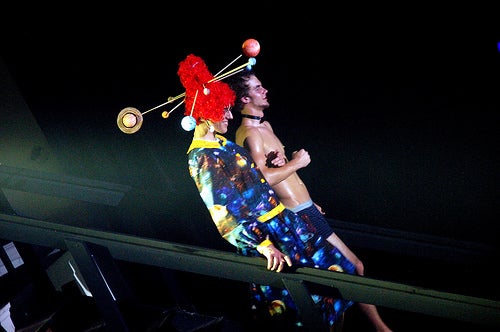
column 301, row 157
column 275, row 259
column 320, row 209
column 275, row 159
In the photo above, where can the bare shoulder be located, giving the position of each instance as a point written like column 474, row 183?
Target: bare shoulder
column 245, row 131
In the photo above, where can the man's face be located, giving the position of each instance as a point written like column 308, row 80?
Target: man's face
column 257, row 94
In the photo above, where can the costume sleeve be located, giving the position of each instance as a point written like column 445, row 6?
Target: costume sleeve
column 225, row 201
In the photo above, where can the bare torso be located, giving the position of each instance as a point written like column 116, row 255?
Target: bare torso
column 291, row 190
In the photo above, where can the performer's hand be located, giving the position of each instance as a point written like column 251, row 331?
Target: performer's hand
column 275, row 259
column 275, row 159
column 301, row 157
column 320, row 209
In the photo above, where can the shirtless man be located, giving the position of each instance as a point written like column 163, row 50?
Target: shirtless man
column 258, row 137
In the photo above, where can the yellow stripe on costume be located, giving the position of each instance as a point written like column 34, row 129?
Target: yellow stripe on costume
column 271, row 214
column 265, row 243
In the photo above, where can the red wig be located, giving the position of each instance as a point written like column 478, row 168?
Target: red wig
column 208, row 96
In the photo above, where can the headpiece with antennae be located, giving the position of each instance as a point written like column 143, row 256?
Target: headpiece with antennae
column 205, row 96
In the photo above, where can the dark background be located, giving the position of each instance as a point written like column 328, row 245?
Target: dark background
column 398, row 108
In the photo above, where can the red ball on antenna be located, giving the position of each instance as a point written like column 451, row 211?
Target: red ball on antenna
column 251, row 47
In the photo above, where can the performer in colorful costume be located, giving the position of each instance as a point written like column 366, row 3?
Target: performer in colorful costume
column 244, row 208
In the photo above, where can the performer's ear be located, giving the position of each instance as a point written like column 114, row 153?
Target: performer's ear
column 210, row 126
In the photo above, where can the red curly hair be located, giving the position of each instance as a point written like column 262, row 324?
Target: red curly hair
column 211, row 96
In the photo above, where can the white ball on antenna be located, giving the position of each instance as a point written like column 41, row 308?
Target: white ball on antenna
column 188, row 123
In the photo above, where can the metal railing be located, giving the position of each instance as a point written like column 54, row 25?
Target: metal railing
column 89, row 247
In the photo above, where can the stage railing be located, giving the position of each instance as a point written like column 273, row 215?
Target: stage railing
column 91, row 248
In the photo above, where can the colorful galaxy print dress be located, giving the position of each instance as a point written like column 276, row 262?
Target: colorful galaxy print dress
column 246, row 212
